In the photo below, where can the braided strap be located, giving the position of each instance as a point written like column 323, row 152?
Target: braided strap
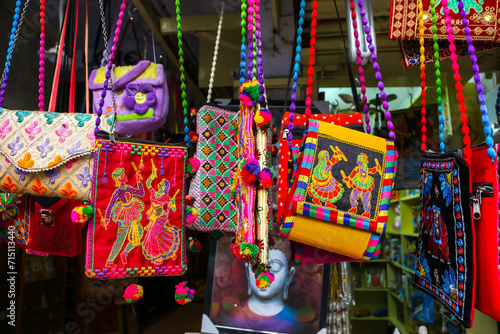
column 460, row 96
column 243, row 41
column 376, row 67
column 361, row 71
column 477, row 79
column 183, row 78
column 312, row 52
column 14, row 33
column 41, row 69
column 437, row 65
column 110, row 67
column 250, row 21
column 423, row 146
column 497, row 105
column 216, row 52
column 296, row 69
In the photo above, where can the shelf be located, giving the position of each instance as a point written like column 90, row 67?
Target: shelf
column 409, row 198
column 398, row 324
column 370, row 318
column 371, row 289
column 403, row 268
column 395, row 295
column 393, row 232
column 377, row 260
column 410, row 234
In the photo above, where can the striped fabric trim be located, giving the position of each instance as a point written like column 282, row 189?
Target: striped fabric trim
column 373, row 249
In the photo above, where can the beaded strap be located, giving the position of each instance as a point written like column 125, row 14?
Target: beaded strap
column 183, row 79
column 216, row 52
column 460, row 96
column 437, row 66
column 243, row 55
column 16, row 28
column 296, row 69
column 41, row 69
column 477, row 79
column 109, row 66
column 258, row 42
column 361, row 71
column 423, row 146
column 376, row 67
column 312, row 51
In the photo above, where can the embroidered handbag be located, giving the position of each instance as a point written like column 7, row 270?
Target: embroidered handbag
column 51, row 228
column 137, row 229
column 344, row 184
column 48, row 153
column 446, row 253
column 15, row 219
column 142, row 99
column 483, row 17
column 217, row 152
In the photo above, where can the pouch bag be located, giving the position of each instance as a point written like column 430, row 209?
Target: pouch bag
column 138, row 194
column 48, row 153
column 446, row 264
column 15, row 217
column 141, row 96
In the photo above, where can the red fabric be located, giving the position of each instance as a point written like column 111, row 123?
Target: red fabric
column 64, row 237
column 137, row 230
column 483, row 21
column 486, row 235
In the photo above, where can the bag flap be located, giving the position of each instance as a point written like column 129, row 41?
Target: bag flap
column 144, row 72
column 36, row 141
column 52, row 204
column 340, row 163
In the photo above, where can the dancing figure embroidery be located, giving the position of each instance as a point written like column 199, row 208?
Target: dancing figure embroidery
column 125, row 208
column 436, row 229
column 324, row 187
column 162, row 239
column 362, row 184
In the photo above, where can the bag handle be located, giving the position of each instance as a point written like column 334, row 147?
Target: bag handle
column 134, row 31
column 183, row 78
column 216, row 52
column 109, row 66
column 312, row 52
column 71, row 105
column 243, row 54
column 479, row 87
column 423, row 111
column 16, row 28
column 41, row 69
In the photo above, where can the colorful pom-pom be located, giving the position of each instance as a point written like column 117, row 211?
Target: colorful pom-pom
column 263, row 118
column 81, row 214
column 189, row 200
column 249, row 170
column 193, row 136
column 274, row 151
column 249, row 93
column 244, row 251
column 193, row 112
column 263, row 278
column 194, row 245
column 193, row 166
column 266, row 178
column 183, row 294
column 191, row 215
column 133, row 293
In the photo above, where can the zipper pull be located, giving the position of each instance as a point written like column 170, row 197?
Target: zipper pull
column 476, row 203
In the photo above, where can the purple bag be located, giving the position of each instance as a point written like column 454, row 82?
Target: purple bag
column 141, row 96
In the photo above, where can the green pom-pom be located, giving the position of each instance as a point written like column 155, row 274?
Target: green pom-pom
column 249, row 250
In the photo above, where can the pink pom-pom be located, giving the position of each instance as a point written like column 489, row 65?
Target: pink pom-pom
column 133, row 293
column 266, row 178
column 183, row 294
column 191, row 215
column 263, row 118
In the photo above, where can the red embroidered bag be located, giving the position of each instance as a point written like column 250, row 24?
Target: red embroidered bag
column 15, row 219
column 51, row 228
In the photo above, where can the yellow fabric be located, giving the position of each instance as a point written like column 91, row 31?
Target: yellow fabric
column 340, row 239
column 148, row 73
column 345, row 134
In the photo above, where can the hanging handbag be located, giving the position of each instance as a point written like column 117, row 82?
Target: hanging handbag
column 142, row 99
column 361, row 165
column 15, row 219
column 51, row 229
column 47, row 153
column 447, row 256
column 217, row 154
column 138, row 191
